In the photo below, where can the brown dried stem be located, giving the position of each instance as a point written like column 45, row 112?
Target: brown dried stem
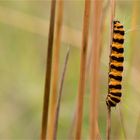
column 59, row 96
column 55, row 69
column 95, row 69
column 102, row 30
column 108, row 123
column 81, row 91
column 48, row 71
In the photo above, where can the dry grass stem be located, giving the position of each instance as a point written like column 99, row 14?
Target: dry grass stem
column 112, row 10
column 55, row 69
column 48, row 71
column 102, row 30
column 59, row 96
column 108, row 123
column 95, row 70
column 81, row 91
column 112, row 5
column 88, row 67
column 105, row 9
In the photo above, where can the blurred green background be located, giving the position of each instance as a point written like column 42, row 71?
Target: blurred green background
column 23, row 49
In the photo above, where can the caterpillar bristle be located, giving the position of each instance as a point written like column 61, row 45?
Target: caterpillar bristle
column 116, row 65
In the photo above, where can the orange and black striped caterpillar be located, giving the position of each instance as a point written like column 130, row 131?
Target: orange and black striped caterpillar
column 116, row 65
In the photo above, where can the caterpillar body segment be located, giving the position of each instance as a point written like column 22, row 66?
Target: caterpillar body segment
column 116, row 65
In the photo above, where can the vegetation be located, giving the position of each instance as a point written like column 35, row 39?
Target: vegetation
column 24, row 27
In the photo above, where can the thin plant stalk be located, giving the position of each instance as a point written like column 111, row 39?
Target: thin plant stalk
column 108, row 131
column 48, row 72
column 112, row 5
column 95, row 70
column 88, row 67
column 102, row 30
column 55, row 69
column 59, row 95
column 81, row 90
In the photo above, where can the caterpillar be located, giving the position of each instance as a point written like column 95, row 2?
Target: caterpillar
column 116, row 65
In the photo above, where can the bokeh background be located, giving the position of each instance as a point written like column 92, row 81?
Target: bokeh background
column 23, row 48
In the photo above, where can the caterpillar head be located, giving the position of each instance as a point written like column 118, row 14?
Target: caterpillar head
column 116, row 21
